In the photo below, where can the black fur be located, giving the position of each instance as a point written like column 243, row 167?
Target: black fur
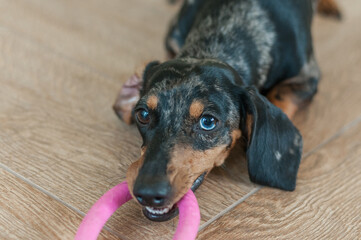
column 228, row 53
column 275, row 147
column 289, row 22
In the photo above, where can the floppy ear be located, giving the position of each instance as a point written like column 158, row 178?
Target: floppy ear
column 130, row 93
column 274, row 143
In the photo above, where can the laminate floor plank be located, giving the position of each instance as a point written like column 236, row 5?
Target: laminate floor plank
column 58, row 130
column 62, row 63
column 27, row 213
column 113, row 38
column 110, row 37
column 325, row 204
column 339, row 56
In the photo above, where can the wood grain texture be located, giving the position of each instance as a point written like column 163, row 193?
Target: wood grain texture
column 113, row 38
column 59, row 131
column 26, row 213
column 62, row 63
column 337, row 46
column 325, row 204
column 110, row 37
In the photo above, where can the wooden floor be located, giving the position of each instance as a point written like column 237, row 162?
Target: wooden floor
column 62, row 147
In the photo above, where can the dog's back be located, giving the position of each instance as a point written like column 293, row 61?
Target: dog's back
column 264, row 41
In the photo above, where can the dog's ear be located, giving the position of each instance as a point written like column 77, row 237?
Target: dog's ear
column 274, row 146
column 131, row 91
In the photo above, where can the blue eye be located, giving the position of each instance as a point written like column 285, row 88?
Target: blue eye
column 143, row 116
column 208, row 123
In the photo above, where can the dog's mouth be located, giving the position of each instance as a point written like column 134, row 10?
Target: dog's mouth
column 161, row 214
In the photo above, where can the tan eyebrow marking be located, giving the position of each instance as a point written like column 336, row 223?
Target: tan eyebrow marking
column 152, row 102
column 196, row 109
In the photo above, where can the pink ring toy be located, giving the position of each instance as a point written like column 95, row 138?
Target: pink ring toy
column 93, row 222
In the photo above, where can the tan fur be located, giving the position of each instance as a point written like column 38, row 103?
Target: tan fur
column 236, row 134
column 133, row 171
column 187, row 164
column 287, row 104
column 152, row 102
column 249, row 124
column 329, row 7
column 196, row 109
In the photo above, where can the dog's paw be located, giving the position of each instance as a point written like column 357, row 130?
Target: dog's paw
column 128, row 96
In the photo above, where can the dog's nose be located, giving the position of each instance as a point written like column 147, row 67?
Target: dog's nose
column 154, row 194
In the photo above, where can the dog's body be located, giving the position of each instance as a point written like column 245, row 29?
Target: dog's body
column 266, row 42
column 192, row 109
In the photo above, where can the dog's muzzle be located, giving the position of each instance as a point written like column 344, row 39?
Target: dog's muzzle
column 162, row 214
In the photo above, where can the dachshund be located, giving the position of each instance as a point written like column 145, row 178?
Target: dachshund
column 238, row 69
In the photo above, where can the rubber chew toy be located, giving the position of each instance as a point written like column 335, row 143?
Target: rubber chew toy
column 93, row 222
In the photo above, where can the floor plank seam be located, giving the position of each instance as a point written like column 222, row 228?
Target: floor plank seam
column 229, row 208
column 47, row 49
column 122, row 237
column 54, row 197
column 309, row 153
column 24, row 179
column 333, row 137
column 44, row 48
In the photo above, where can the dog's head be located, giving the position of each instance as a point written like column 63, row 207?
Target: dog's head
column 190, row 115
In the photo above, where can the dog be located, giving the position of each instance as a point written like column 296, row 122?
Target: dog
column 238, row 69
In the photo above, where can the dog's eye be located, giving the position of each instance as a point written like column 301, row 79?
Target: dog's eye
column 208, row 122
column 143, row 116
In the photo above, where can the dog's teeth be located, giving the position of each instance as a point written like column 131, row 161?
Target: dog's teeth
column 159, row 211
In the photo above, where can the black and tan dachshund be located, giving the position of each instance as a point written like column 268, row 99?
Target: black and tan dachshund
column 240, row 68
